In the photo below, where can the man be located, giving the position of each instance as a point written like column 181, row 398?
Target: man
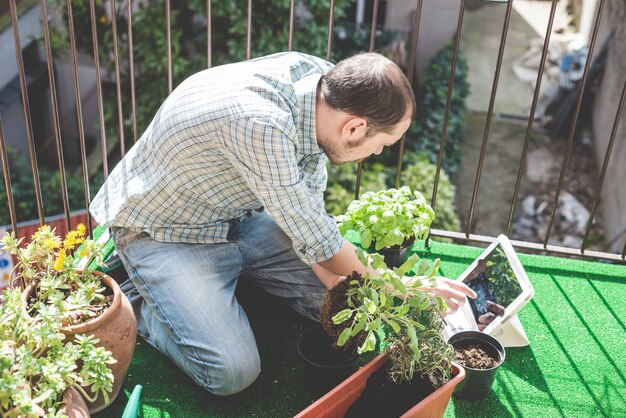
column 227, row 182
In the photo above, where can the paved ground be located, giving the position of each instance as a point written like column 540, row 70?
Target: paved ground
column 480, row 41
column 481, row 34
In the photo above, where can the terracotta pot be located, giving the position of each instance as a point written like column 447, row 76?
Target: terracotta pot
column 338, row 401
column 116, row 329
column 74, row 405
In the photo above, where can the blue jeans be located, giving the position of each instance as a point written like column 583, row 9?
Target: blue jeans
column 184, row 297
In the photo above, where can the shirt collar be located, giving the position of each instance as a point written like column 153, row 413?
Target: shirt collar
column 306, row 90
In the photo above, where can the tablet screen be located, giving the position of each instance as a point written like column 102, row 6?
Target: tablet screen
column 496, row 285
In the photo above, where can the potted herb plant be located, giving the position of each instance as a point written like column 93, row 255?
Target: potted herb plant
column 79, row 306
column 389, row 221
column 40, row 374
column 407, row 322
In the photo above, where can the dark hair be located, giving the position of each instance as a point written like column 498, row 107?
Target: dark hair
column 371, row 86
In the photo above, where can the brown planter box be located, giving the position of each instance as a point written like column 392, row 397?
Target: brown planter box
column 336, row 403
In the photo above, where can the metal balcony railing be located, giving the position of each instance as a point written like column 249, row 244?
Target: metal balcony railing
column 130, row 114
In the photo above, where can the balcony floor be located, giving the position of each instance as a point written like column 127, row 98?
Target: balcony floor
column 574, row 366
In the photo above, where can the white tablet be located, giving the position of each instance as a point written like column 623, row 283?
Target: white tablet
column 502, row 286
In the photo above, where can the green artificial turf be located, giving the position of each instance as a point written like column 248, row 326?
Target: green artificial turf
column 575, row 365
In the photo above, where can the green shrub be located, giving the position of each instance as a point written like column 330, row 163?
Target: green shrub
column 23, row 190
column 420, row 175
column 342, row 184
column 424, row 135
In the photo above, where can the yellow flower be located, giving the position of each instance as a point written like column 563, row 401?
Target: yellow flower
column 50, row 244
column 74, row 237
column 58, row 264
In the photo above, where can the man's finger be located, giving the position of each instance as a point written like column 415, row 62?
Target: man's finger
column 462, row 287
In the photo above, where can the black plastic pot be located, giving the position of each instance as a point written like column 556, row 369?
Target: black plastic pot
column 477, row 383
column 396, row 256
column 324, row 367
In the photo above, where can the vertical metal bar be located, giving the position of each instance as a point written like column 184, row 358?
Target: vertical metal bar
column 118, row 87
column 55, row 113
column 607, row 156
column 249, row 31
column 331, row 16
column 446, row 116
column 7, row 180
column 291, row 16
column 531, row 116
column 359, row 170
column 570, row 139
column 410, row 74
column 374, row 22
column 208, row 34
column 26, row 110
column 168, row 32
column 79, row 111
column 131, row 67
column 96, row 58
column 492, row 101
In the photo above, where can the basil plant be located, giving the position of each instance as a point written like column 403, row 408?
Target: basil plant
column 388, row 218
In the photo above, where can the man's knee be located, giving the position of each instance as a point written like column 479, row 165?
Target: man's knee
column 232, row 374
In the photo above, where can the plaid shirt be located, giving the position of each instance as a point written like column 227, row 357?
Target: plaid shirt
column 228, row 141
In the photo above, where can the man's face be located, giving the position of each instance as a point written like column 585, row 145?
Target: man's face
column 360, row 148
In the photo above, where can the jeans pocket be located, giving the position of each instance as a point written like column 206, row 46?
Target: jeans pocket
column 124, row 237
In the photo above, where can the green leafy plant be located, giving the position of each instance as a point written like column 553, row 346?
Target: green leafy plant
column 406, row 318
column 419, row 174
column 23, row 190
column 37, row 362
column 424, row 136
column 388, row 218
column 341, row 187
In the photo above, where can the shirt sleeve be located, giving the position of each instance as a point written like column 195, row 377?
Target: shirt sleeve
column 262, row 149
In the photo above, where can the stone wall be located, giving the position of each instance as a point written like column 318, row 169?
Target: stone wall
column 613, row 197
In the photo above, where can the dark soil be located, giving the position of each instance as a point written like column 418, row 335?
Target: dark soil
column 335, row 301
column 384, row 399
column 475, row 358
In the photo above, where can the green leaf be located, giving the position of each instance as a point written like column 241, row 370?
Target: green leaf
column 366, row 238
column 369, row 305
column 397, row 284
column 436, row 264
column 342, row 316
column 369, row 344
column 362, row 256
column 378, row 261
column 358, row 327
column 374, row 325
column 409, row 264
column 343, row 337
column 394, row 325
column 413, row 338
column 423, row 267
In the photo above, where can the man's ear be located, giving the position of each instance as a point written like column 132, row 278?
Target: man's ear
column 354, row 128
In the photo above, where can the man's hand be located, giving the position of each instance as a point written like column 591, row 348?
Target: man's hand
column 327, row 277
column 453, row 292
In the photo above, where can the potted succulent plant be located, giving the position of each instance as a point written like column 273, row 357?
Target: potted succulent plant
column 398, row 315
column 389, row 222
column 74, row 308
column 40, row 373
